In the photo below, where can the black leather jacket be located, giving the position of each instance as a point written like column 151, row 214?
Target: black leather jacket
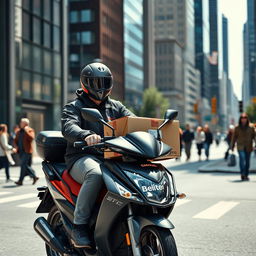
column 75, row 128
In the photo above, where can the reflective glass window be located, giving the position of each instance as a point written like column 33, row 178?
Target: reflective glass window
column 47, row 35
column 26, row 26
column 87, row 16
column 57, row 103
column 57, row 65
column 17, row 83
column 47, row 62
column 26, row 4
column 56, row 13
column 47, row 86
column 37, row 86
column 74, row 59
column 26, row 81
column 56, row 38
column 75, row 38
column 37, row 7
column 37, row 59
column 74, row 17
column 18, row 51
column 87, row 37
column 47, row 9
column 26, row 56
column 36, row 30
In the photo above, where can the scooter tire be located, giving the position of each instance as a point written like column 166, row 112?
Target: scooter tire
column 157, row 241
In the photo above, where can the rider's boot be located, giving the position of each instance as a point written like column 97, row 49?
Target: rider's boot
column 80, row 236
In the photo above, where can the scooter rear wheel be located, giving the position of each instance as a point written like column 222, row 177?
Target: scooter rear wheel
column 157, row 241
column 54, row 219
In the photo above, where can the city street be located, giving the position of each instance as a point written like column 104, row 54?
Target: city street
column 216, row 219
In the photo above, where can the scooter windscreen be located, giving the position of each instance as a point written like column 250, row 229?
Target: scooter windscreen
column 139, row 144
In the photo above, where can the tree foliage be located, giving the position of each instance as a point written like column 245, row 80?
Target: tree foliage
column 154, row 104
column 251, row 112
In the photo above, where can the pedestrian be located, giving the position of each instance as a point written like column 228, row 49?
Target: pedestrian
column 217, row 138
column 23, row 142
column 5, row 149
column 243, row 136
column 199, row 138
column 187, row 137
column 228, row 139
column 208, row 141
column 96, row 85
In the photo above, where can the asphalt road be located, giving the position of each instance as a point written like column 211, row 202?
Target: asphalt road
column 216, row 219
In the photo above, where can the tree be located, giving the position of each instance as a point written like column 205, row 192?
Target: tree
column 154, row 104
column 251, row 112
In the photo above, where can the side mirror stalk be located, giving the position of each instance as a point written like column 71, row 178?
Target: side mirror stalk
column 108, row 125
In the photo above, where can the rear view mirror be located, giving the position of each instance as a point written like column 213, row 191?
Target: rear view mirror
column 94, row 115
column 169, row 115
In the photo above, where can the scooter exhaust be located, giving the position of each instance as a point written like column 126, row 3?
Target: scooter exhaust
column 45, row 231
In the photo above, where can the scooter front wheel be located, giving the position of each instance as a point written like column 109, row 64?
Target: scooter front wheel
column 157, row 241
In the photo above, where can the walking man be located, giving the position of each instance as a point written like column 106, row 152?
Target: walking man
column 23, row 142
column 188, row 136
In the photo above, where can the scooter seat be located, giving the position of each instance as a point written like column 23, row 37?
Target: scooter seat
column 73, row 185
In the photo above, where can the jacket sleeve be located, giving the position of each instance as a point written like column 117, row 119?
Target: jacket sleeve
column 71, row 124
column 30, row 133
column 4, row 142
column 123, row 111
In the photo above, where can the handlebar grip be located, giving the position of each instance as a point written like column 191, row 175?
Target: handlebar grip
column 79, row 144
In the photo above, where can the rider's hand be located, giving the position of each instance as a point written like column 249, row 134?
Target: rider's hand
column 92, row 139
column 14, row 150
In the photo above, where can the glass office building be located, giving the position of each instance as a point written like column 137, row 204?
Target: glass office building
column 133, row 51
column 34, row 61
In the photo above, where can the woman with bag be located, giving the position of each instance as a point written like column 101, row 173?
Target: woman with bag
column 244, row 135
column 5, row 150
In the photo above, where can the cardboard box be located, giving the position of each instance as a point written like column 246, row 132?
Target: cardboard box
column 124, row 125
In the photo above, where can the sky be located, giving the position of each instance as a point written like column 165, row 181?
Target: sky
column 236, row 12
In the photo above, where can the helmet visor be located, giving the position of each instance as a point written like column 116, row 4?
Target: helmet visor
column 99, row 84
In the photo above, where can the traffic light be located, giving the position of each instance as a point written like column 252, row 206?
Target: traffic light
column 241, row 107
column 214, row 105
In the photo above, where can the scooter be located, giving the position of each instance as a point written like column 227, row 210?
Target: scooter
column 131, row 216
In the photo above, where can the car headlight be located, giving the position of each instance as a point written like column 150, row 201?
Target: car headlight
column 155, row 192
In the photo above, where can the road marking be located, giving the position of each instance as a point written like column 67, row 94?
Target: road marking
column 216, row 211
column 30, row 205
column 16, row 198
column 5, row 193
column 180, row 202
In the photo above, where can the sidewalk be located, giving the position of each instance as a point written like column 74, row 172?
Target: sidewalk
column 221, row 166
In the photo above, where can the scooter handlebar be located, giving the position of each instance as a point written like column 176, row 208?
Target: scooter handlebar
column 83, row 145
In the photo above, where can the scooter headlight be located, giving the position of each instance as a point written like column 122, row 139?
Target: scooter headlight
column 155, row 192
column 126, row 193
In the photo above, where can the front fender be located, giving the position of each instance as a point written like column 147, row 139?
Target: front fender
column 140, row 222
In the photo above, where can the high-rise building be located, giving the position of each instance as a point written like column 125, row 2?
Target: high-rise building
column 133, row 51
column 174, row 23
column 249, row 79
column 225, row 44
column 96, row 32
column 33, row 62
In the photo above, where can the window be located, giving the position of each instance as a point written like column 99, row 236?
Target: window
column 47, row 63
column 56, row 13
column 56, row 38
column 26, row 4
column 74, row 17
column 26, row 80
column 47, row 35
column 37, row 59
column 74, row 59
column 87, row 37
column 47, row 85
column 36, row 30
column 17, row 83
column 75, row 38
column 37, row 86
column 57, row 65
column 87, row 16
column 37, row 7
column 47, row 9
column 26, row 26
column 26, row 57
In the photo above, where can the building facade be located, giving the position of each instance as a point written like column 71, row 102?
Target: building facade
column 133, row 52
column 96, row 32
column 34, row 62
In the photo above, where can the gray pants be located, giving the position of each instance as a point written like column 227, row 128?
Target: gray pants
column 86, row 171
column 188, row 148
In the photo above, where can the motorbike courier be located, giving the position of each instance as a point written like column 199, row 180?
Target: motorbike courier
column 131, row 216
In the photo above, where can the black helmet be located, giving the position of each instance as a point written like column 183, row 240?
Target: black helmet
column 96, row 80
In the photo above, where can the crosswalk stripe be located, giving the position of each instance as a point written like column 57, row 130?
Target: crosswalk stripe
column 180, row 202
column 16, row 198
column 216, row 211
column 5, row 193
column 29, row 205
